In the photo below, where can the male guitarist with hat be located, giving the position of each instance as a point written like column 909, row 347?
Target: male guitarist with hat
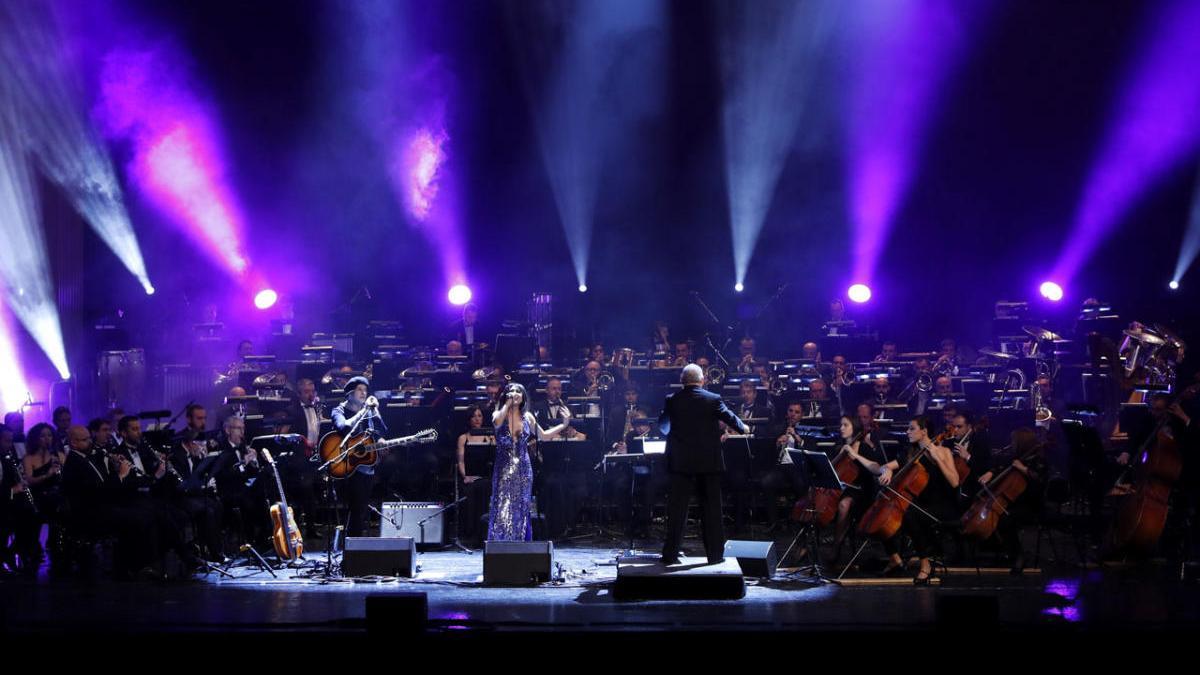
column 357, row 414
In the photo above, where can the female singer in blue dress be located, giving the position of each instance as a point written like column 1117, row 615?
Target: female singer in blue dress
column 512, row 478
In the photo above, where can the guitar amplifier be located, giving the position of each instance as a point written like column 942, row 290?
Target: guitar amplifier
column 402, row 519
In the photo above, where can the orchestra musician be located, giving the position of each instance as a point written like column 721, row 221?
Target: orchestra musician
column 819, row 404
column 475, row 488
column 975, row 448
column 887, row 352
column 1027, row 454
column 859, row 443
column 937, row 502
column 554, row 409
column 785, row 479
column 746, row 357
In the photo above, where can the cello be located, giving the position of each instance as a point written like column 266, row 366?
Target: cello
column 820, row 505
column 885, row 516
column 1141, row 515
column 993, row 501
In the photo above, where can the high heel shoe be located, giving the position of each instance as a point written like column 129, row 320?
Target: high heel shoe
column 924, row 580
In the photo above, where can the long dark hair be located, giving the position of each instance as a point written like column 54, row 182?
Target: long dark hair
column 855, row 426
column 520, row 389
column 35, row 432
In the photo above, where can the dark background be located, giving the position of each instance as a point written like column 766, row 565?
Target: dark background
column 1013, row 135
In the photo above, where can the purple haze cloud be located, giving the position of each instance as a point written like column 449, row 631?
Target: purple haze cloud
column 1154, row 126
column 177, row 161
column 899, row 54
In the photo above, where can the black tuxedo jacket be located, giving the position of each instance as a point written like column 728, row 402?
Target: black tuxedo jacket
column 689, row 420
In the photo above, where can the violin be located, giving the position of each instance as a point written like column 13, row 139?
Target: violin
column 960, row 465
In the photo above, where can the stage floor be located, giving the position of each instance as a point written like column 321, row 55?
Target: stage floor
column 1150, row 596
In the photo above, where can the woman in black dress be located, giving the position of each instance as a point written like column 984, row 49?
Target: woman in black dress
column 937, row 501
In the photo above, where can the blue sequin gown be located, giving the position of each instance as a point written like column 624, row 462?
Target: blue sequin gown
column 512, row 487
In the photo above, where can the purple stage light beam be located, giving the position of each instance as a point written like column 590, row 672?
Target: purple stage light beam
column 770, row 52
column 177, row 159
column 1154, row 126
column 13, row 389
column 899, row 53
column 44, row 85
column 28, row 288
column 421, row 159
column 1190, row 247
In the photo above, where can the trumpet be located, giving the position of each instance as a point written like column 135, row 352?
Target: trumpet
column 924, row 381
column 715, row 375
column 778, row 386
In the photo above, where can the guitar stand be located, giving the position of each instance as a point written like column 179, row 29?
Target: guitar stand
column 213, row 567
column 262, row 562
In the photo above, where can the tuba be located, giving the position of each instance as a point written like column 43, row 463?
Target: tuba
column 604, row 381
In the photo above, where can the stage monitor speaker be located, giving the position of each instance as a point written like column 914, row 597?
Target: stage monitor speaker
column 517, row 563
column 378, row 556
column 756, row 558
column 404, row 519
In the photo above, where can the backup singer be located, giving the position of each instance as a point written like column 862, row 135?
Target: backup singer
column 510, row 516
column 690, row 420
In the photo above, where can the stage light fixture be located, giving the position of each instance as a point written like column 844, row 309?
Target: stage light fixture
column 1174, row 285
column 1051, row 291
column 583, row 288
column 739, row 287
column 266, row 298
column 859, row 293
column 460, row 294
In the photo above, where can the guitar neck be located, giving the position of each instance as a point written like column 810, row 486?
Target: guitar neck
column 407, row 440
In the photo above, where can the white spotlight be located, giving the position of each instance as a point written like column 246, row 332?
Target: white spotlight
column 739, row 287
column 583, row 288
column 1174, row 285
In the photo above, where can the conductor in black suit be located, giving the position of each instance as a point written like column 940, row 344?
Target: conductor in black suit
column 695, row 462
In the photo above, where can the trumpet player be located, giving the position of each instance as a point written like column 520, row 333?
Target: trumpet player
column 746, row 357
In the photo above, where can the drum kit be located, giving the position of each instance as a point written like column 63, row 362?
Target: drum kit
column 1149, row 353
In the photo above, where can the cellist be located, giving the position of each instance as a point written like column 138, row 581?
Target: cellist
column 1027, row 454
column 869, row 453
column 936, row 501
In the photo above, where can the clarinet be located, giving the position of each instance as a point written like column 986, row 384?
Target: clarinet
column 19, row 470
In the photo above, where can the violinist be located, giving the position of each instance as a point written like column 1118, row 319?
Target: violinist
column 935, row 503
column 973, row 446
column 1027, row 456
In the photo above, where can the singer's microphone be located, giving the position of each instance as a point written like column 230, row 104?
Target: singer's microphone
column 372, row 402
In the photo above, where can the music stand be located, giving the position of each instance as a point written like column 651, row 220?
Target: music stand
column 819, row 471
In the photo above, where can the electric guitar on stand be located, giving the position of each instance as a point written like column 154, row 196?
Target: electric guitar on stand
column 287, row 540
